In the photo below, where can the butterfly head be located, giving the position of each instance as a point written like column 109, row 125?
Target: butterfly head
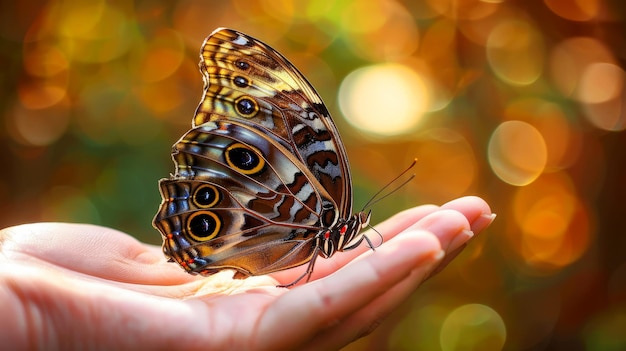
column 364, row 218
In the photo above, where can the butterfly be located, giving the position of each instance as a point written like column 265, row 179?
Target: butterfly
column 262, row 181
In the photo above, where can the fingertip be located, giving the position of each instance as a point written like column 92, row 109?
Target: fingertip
column 470, row 201
column 475, row 209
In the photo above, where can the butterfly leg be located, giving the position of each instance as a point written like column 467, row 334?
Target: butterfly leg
column 307, row 273
column 364, row 237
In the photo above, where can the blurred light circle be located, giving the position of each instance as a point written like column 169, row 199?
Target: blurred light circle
column 161, row 57
column 609, row 115
column 601, row 90
column 551, row 120
column 473, row 327
column 517, row 152
column 515, row 52
column 376, row 12
column 43, row 93
column 553, row 228
column 574, row 10
column 90, row 31
column 80, row 20
column 384, row 99
column 38, row 127
column 389, row 33
column 471, row 10
column 44, row 60
column 601, row 82
column 570, row 58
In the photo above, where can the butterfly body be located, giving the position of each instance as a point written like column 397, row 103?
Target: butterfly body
column 262, row 181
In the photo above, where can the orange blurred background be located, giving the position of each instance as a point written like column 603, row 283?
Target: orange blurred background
column 519, row 102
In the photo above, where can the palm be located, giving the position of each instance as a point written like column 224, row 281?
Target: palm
column 75, row 286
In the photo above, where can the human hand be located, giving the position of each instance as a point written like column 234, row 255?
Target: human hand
column 71, row 286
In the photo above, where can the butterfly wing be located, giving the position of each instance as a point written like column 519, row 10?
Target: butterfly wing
column 263, row 172
column 248, row 81
column 239, row 200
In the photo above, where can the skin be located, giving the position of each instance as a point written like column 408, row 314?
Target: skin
column 78, row 286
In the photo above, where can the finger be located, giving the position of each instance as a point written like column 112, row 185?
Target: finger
column 92, row 250
column 361, row 323
column 450, row 226
column 324, row 302
column 402, row 220
column 389, row 229
column 46, row 305
column 367, row 319
column 447, row 223
column 475, row 209
column 479, row 221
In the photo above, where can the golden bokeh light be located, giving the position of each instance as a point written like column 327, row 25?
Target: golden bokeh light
column 354, row 11
column 282, row 10
column 570, row 58
column 43, row 93
column 561, row 139
column 190, row 18
column 392, row 30
column 85, row 30
column 574, row 10
column 79, row 20
column 609, row 115
column 384, row 99
column 161, row 57
column 160, row 97
column 602, row 93
column 600, row 82
column 473, row 327
column 44, row 60
column 38, row 127
column 464, row 9
column 429, row 316
column 517, row 152
column 554, row 228
column 515, row 52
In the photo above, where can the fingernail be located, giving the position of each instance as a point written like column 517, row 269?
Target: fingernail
column 459, row 240
column 482, row 222
column 440, row 255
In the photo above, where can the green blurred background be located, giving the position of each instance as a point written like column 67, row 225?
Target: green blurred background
column 519, row 102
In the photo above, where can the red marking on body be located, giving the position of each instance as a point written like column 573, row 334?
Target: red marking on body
column 327, row 234
column 343, row 230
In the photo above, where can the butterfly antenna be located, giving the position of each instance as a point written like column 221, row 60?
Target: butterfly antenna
column 377, row 198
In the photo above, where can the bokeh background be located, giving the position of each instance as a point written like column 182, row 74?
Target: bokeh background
column 519, row 102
